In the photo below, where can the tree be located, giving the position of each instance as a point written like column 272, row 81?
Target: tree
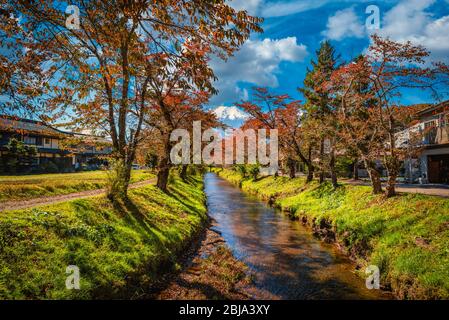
column 176, row 111
column 151, row 160
column 171, row 112
column 395, row 66
column 279, row 112
column 19, row 155
column 358, row 125
column 320, row 107
column 369, row 114
column 102, row 69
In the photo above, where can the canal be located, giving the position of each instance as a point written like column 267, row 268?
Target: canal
column 286, row 260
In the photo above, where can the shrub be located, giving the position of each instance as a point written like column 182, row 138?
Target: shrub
column 151, row 160
column 241, row 169
column 49, row 167
column 254, row 171
column 20, row 156
column 195, row 170
column 117, row 182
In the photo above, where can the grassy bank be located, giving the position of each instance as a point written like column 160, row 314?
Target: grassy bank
column 40, row 185
column 119, row 249
column 407, row 237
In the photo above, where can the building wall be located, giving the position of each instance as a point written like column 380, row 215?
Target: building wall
column 417, row 170
column 49, row 148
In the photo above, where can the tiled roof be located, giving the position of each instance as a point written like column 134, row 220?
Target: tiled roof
column 28, row 126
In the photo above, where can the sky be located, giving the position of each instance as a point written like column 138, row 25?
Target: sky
column 279, row 57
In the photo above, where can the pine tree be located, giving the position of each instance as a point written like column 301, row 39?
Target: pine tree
column 320, row 107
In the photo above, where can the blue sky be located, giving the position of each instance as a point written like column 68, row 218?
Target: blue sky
column 294, row 29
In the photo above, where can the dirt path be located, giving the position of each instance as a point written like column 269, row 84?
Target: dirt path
column 427, row 189
column 25, row 204
column 211, row 272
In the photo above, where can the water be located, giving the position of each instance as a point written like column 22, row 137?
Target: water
column 287, row 261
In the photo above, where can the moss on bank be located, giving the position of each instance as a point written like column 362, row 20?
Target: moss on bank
column 119, row 249
column 407, row 237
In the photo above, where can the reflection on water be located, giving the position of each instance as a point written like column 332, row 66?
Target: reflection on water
column 288, row 262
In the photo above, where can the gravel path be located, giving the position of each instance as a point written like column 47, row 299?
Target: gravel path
column 42, row 201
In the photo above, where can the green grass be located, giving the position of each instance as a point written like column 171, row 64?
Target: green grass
column 40, row 185
column 406, row 236
column 120, row 250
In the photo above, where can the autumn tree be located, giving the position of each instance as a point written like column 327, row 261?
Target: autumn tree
column 101, row 68
column 370, row 115
column 281, row 112
column 171, row 111
column 394, row 67
column 358, row 125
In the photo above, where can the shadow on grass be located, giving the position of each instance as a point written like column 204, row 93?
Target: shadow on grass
column 179, row 193
column 139, row 282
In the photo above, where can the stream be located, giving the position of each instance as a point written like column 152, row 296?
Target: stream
column 286, row 260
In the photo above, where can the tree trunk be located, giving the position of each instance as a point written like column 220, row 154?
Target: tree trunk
column 127, row 175
column 183, row 173
column 392, row 163
column 307, row 161
column 393, row 166
column 164, row 168
column 119, row 180
column 391, row 186
column 374, row 176
column 332, row 169
column 310, row 170
column 291, row 168
column 310, row 166
column 321, row 177
column 162, row 178
column 355, row 170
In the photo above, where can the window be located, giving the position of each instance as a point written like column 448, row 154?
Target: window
column 29, row 140
column 38, row 141
column 429, row 124
column 47, row 141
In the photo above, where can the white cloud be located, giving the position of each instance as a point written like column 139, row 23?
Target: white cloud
column 269, row 9
column 409, row 21
column 280, row 9
column 229, row 113
column 257, row 62
column 406, row 19
column 344, row 24
column 252, row 6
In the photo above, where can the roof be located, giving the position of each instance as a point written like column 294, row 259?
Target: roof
column 434, row 108
column 8, row 123
column 94, row 138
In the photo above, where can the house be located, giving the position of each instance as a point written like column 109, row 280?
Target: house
column 431, row 165
column 53, row 146
column 90, row 150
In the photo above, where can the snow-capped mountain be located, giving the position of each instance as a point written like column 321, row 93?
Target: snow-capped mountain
column 230, row 113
